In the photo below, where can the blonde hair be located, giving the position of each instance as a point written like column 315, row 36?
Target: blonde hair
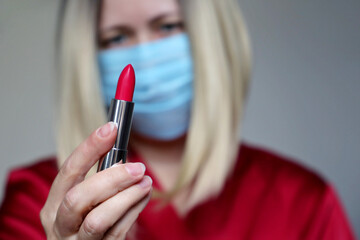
column 221, row 53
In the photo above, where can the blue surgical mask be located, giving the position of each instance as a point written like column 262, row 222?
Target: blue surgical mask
column 164, row 84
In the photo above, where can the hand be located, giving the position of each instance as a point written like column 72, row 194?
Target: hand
column 104, row 205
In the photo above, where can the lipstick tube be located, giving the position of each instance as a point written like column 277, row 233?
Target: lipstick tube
column 121, row 113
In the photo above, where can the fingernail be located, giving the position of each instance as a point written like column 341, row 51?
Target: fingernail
column 116, row 165
column 146, row 182
column 105, row 130
column 135, row 169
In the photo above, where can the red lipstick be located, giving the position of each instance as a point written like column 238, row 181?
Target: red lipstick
column 126, row 84
column 121, row 112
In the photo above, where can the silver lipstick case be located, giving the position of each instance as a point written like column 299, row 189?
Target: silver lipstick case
column 120, row 112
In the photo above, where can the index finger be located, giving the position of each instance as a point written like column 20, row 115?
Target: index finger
column 82, row 159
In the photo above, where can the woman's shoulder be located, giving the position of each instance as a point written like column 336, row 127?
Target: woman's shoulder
column 284, row 188
column 44, row 169
column 33, row 179
column 25, row 193
column 283, row 174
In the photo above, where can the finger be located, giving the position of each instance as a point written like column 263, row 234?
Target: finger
column 76, row 166
column 83, row 158
column 121, row 228
column 103, row 217
column 81, row 199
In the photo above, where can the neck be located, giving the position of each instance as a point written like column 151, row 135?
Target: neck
column 162, row 150
column 163, row 157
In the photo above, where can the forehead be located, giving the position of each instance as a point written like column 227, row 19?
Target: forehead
column 125, row 12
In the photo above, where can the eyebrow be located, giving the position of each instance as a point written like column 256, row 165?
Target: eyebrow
column 125, row 27
column 159, row 17
column 115, row 28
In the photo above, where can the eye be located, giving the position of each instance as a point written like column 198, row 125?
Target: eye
column 118, row 39
column 121, row 38
column 169, row 28
column 114, row 41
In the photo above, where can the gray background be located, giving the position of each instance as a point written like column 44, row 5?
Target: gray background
column 304, row 99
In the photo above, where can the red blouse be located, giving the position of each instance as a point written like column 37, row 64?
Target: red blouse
column 266, row 198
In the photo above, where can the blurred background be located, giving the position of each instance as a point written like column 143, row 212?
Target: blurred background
column 304, row 100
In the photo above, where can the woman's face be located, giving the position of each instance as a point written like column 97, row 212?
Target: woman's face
column 125, row 23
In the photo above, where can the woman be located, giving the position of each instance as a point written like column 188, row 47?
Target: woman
column 192, row 63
